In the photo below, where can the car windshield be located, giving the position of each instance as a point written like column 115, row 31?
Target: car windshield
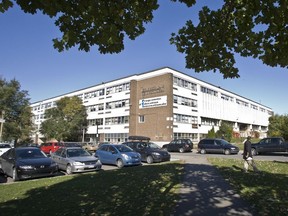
column 77, row 153
column 29, row 154
column 123, row 148
column 150, row 145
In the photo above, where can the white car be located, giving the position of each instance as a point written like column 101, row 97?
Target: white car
column 4, row 147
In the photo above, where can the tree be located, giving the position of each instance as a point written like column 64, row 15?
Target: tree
column 15, row 103
column 255, row 29
column 211, row 133
column 278, row 126
column 225, row 131
column 66, row 121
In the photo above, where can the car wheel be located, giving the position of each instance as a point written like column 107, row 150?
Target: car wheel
column 15, row 175
column 181, row 150
column 149, row 159
column 69, row 169
column 253, row 151
column 202, row 151
column 120, row 163
column 227, row 152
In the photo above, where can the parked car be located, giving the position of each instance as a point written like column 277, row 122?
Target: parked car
column 150, row 152
column 118, row 154
column 50, row 147
column 269, row 145
column 217, row 146
column 92, row 147
column 27, row 162
column 180, row 145
column 4, row 147
column 75, row 160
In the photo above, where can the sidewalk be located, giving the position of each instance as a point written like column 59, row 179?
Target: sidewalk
column 204, row 192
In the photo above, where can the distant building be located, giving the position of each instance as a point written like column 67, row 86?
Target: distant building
column 162, row 104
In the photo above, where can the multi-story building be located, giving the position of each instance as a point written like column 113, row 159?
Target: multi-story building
column 162, row 104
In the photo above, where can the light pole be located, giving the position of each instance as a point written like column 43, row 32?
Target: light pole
column 2, row 122
column 97, row 134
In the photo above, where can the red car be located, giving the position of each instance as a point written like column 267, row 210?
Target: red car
column 50, row 147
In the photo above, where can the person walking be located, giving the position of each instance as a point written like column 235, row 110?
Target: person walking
column 248, row 157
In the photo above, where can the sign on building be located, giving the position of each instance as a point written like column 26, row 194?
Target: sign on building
column 153, row 102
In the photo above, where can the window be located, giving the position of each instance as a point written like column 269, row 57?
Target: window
column 141, row 119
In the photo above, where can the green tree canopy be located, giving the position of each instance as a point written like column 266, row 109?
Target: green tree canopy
column 66, row 121
column 278, row 126
column 211, row 133
column 225, row 131
column 15, row 104
column 255, row 29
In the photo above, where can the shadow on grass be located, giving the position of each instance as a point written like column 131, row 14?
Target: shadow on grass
column 266, row 191
column 205, row 192
column 146, row 190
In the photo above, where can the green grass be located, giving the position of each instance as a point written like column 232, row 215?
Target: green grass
column 128, row 191
column 266, row 191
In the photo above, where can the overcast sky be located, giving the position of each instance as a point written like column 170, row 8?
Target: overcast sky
column 27, row 54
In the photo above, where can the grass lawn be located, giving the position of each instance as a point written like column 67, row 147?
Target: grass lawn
column 146, row 190
column 266, row 191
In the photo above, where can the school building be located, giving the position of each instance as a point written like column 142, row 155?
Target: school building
column 162, row 104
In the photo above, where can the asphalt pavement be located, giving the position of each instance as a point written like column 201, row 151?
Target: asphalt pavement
column 205, row 192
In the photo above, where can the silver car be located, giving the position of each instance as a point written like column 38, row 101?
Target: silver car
column 75, row 159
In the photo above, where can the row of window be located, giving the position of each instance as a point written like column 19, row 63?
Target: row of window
column 109, row 90
column 118, row 88
column 97, row 93
column 109, row 121
column 109, row 105
column 209, row 91
column 191, row 136
column 117, row 104
column 184, row 83
column 227, row 97
column 210, row 121
column 93, row 122
column 184, row 101
column 185, row 119
column 44, row 106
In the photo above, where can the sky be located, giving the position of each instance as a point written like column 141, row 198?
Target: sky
column 27, row 55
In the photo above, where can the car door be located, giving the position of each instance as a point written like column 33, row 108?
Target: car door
column 277, row 145
column 58, row 158
column 209, row 145
column 103, row 154
column 178, row 145
column 8, row 161
column 218, row 146
column 111, row 155
column 265, row 145
column 142, row 149
column 172, row 146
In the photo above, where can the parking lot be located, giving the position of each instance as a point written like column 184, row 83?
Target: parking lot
column 185, row 156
